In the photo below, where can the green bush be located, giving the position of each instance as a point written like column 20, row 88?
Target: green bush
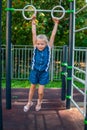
column 21, row 28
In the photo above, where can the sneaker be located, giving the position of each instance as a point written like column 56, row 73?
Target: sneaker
column 27, row 107
column 38, row 106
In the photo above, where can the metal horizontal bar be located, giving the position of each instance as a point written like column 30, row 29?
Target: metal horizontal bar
column 82, row 112
column 81, row 9
column 81, row 50
column 78, row 79
column 80, row 70
column 78, row 30
column 48, row 10
column 18, row 9
column 38, row 10
column 78, row 89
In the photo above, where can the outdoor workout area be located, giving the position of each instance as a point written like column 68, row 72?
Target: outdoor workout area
column 64, row 108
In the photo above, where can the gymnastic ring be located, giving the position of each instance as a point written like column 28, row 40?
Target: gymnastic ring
column 63, row 10
column 23, row 11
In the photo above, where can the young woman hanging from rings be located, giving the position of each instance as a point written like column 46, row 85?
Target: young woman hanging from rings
column 40, row 63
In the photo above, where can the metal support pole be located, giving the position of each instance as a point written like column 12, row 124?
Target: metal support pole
column 70, row 58
column 85, row 120
column 64, row 71
column 78, row 30
column 1, row 120
column 8, row 56
column 81, row 9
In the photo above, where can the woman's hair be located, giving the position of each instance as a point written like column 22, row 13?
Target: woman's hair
column 43, row 37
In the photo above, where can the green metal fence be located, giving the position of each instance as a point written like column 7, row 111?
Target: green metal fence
column 21, row 61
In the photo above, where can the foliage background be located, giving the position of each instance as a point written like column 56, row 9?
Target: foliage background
column 21, row 28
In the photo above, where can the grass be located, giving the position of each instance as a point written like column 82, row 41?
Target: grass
column 26, row 84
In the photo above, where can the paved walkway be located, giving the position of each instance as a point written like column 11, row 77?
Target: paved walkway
column 53, row 115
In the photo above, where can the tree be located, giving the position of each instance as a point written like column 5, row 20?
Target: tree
column 21, row 28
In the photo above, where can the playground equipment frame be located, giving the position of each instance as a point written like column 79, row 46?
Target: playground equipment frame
column 70, row 59
column 84, row 112
column 70, row 67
